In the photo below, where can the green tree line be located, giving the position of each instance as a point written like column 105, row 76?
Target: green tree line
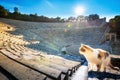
column 4, row 13
column 115, row 25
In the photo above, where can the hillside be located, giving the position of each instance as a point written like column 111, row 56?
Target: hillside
column 54, row 36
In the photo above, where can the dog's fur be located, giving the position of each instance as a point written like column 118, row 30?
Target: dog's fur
column 98, row 59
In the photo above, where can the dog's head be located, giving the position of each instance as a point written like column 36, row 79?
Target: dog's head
column 85, row 49
column 89, row 51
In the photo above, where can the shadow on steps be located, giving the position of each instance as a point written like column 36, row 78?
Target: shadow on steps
column 7, row 74
column 103, row 75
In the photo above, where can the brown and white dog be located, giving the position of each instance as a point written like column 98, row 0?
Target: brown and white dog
column 98, row 59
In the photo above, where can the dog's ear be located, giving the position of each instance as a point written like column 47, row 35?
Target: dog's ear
column 84, row 48
column 88, row 48
column 82, row 44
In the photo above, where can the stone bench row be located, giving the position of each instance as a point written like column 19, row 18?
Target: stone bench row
column 50, row 61
column 15, row 36
column 19, row 71
column 52, row 66
column 6, row 27
column 8, row 38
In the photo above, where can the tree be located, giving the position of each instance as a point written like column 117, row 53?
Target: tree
column 115, row 24
column 32, row 17
column 71, row 18
column 16, row 10
column 62, row 20
column 93, row 17
column 58, row 19
column 36, row 14
column 3, row 12
column 80, row 18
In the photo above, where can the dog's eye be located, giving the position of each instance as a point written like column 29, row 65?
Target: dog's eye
column 82, row 49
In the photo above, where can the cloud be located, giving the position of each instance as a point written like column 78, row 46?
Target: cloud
column 49, row 4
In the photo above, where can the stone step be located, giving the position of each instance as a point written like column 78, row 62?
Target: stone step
column 64, row 67
column 19, row 71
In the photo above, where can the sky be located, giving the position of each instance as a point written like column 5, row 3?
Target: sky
column 65, row 8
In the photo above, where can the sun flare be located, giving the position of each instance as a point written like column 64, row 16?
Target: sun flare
column 79, row 10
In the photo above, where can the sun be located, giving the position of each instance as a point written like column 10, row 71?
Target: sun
column 79, row 10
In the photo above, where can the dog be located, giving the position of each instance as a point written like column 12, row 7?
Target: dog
column 98, row 59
